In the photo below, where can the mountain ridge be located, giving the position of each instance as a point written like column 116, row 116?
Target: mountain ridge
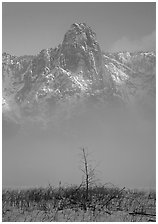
column 77, row 68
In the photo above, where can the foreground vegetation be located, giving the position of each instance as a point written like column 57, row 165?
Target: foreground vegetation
column 87, row 202
column 72, row 203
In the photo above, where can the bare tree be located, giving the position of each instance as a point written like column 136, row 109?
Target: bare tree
column 88, row 171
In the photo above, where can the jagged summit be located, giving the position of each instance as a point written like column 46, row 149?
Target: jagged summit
column 80, row 34
column 80, row 49
column 77, row 68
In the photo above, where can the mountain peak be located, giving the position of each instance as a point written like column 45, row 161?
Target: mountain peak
column 80, row 49
column 77, row 67
column 80, row 34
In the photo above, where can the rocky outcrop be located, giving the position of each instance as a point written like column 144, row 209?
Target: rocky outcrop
column 77, row 68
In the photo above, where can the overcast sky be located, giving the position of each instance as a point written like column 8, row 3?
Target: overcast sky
column 30, row 27
column 121, row 141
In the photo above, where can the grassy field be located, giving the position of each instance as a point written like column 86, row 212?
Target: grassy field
column 71, row 204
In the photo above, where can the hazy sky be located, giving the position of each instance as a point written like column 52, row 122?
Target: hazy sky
column 30, row 27
column 121, row 141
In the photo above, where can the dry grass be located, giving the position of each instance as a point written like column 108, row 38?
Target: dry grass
column 69, row 204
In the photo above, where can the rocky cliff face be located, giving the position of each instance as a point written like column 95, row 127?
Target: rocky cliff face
column 76, row 69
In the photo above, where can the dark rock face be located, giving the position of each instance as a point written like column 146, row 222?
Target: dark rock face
column 75, row 69
column 80, row 50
